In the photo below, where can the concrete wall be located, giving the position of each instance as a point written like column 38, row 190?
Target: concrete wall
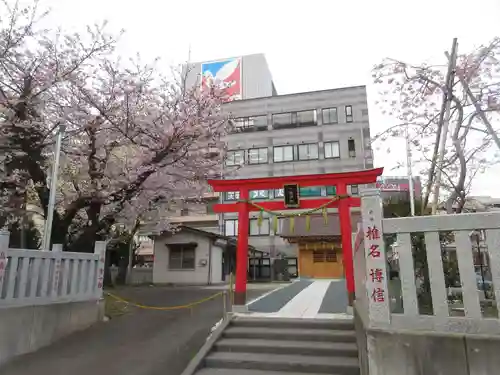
column 362, row 343
column 384, row 352
column 200, row 275
column 26, row 329
column 138, row 275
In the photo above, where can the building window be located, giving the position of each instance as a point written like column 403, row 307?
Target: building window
column 318, row 256
column 306, row 118
column 258, row 121
column 184, row 212
column 236, row 157
column 351, row 146
column 332, row 150
column 231, row 227
column 282, row 119
column 312, row 191
column 279, row 193
column 331, row 256
column 283, row 153
column 182, row 257
column 330, row 116
column 257, row 155
column 262, row 230
column 294, row 119
column 254, row 123
column 354, row 190
column 331, row 190
column 232, row 196
column 279, row 224
column 348, row 113
column 259, row 194
column 308, row 151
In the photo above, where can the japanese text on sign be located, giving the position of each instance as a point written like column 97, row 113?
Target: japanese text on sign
column 376, row 274
column 378, row 295
column 100, row 275
column 373, row 233
column 57, row 275
column 374, row 251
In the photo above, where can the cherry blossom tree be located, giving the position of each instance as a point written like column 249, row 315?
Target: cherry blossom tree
column 413, row 96
column 134, row 140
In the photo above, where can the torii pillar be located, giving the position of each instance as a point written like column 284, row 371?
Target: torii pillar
column 243, row 208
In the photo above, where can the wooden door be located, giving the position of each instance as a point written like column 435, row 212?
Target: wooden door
column 321, row 263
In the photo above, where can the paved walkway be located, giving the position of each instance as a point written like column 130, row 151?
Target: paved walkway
column 304, row 299
column 142, row 342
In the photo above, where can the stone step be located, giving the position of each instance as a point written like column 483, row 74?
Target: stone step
column 336, row 324
column 295, row 334
column 316, row 348
column 281, row 362
column 231, row 371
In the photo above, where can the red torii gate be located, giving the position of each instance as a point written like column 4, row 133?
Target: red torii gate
column 244, row 186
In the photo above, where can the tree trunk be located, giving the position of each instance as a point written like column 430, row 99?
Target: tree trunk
column 121, row 279
column 108, row 281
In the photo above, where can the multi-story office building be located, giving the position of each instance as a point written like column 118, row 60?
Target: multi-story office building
column 307, row 133
column 277, row 135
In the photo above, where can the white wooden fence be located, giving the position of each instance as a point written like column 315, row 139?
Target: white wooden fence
column 373, row 297
column 36, row 277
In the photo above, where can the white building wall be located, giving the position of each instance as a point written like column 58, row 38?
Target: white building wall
column 200, row 275
column 216, row 265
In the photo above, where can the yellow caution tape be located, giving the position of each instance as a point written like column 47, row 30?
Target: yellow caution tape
column 168, row 308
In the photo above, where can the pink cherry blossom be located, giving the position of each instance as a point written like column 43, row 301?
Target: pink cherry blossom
column 135, row 141
column 413, row 95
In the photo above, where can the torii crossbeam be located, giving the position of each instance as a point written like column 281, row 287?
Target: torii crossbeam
column 244, row 186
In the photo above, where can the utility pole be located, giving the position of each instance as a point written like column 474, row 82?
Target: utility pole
column 450, row 78
column 409, row 171
column 47, row 233
column 131, row 248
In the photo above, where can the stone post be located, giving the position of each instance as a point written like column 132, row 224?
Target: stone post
column 4, row 246
column 376, row 261
column 56, row 278
column 100, row 250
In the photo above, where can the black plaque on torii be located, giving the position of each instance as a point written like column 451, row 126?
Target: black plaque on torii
column 291, row 193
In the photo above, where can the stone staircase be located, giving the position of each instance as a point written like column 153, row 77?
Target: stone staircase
column 275, row 346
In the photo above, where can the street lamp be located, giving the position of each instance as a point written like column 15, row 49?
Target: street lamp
column 47, row 233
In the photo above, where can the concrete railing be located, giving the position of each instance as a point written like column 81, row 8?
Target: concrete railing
column 36, row 277
column 442, row 318
column 398, row 334
column 46, row 295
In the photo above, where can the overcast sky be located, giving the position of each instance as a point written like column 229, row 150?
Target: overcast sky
column 309, row 45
